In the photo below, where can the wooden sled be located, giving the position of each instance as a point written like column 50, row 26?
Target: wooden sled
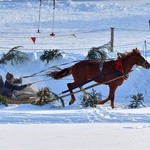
column 24, row 97
column 13, row 101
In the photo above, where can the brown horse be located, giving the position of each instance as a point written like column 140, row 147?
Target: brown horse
column 111, row 73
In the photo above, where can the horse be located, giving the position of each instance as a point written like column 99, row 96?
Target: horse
column 111, row 73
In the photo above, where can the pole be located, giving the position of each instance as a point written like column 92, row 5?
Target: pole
column 53, row 21
column 145, row 49
column 52, row 34
column 112, row 40
column 40, row 4
column 149, row 24
column 89, row 87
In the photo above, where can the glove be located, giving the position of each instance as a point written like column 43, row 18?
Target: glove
column 17, row 81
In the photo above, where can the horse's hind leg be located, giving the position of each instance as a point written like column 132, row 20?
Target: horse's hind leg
column 112, row 91
column 71, row 87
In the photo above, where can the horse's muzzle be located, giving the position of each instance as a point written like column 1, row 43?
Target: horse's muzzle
column 147, row 66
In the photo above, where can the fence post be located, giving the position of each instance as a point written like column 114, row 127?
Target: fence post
column 112, row 40
column 40, row 4
column 145, row 48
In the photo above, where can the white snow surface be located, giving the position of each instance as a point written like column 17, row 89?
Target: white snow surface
column 29, row 127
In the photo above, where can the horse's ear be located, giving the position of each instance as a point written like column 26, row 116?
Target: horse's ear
column 121, row 55
column 136, row 51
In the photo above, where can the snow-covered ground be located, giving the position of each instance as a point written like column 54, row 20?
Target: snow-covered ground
column 75, row 136
column 78, row 27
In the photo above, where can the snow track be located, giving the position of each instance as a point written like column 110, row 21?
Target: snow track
column 89, row 115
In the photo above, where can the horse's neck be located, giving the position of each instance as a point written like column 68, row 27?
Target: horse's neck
column 128, row 63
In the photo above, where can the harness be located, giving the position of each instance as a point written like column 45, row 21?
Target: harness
column 119, row 68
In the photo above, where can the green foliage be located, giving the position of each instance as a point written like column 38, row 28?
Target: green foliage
column 14, row 56
column 137, row 100
column 50, row 55
column 91, row 99
column 3, row 100
column 96, row 53
column 46, row 96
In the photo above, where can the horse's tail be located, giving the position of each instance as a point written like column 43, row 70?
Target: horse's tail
column 60, row 74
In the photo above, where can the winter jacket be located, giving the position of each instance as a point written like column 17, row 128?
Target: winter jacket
column 1, row 84
column 9, row 88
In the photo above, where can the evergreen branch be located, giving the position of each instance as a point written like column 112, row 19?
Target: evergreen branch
column 14, row 56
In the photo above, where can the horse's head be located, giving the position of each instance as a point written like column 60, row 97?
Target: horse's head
column 140, row 60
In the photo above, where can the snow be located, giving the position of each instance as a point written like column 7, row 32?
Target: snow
column 73, row 127
column 75, row 136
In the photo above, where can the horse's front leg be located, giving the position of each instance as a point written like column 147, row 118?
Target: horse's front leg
column 111, row 96
column 112, row 93
column 83, row 91
column 104, row 101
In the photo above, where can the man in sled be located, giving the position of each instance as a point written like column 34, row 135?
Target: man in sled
column 13, row 90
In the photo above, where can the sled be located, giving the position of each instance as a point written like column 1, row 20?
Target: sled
column 43, row 97
column 13, row 101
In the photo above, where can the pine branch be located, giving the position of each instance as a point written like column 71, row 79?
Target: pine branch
column 50, row 55
column 137, row 100
column 14, row 56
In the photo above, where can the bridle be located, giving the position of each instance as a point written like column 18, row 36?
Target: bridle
column 143, row 63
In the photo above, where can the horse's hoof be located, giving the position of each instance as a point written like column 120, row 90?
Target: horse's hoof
column 112, row 107
column 70, row 103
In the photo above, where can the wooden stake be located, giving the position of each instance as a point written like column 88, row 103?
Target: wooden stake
column 112, row 40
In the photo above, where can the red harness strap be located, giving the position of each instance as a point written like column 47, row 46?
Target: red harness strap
column 119, row 67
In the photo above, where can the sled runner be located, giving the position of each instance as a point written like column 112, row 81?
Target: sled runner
column 13, row 101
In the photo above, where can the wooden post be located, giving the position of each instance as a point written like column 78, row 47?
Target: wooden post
column 112, row 40
column 40, row 4
column 145, row 49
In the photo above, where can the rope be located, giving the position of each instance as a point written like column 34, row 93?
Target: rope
column 141, row 42
column 12, row 1
column 138, row 30
column 71, row 34
column 62, row 35
column 26, row 37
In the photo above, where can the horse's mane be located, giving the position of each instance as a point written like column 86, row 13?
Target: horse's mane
column 127, row 54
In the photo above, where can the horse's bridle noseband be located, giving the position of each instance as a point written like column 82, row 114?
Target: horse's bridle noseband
column 143, row 63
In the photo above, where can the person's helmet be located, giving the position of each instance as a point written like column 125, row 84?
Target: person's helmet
column 9, row 76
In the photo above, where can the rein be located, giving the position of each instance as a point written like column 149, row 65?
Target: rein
column 52, row 67
column 39, row 81
column 143, row 64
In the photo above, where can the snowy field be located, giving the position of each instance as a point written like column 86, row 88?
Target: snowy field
column 78, row 26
